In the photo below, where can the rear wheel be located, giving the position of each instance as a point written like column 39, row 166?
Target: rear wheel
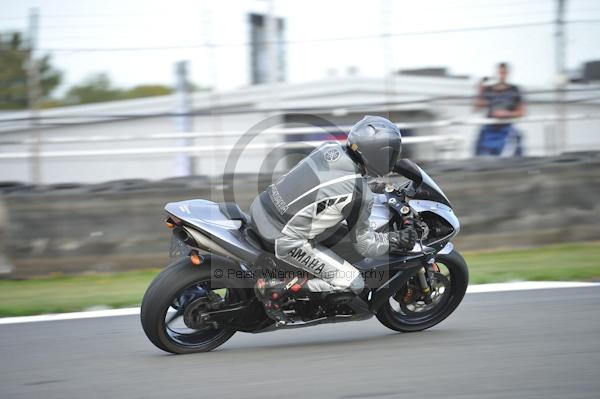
column 409, row 311
column 175, row 298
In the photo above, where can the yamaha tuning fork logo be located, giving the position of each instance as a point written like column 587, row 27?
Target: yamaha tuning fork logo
column 332, row 154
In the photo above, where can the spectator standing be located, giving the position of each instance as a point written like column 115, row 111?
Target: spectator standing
column 503, row 101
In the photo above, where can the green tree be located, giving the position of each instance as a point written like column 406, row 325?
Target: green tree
column 96, row 88
column 147, row 91
column 14, row 56
column 99, row 88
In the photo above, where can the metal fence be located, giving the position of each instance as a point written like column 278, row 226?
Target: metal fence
column 450, row 139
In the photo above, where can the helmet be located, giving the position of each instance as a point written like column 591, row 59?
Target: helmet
column 378, row 143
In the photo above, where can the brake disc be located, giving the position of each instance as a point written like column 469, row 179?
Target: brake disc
column 192, row 315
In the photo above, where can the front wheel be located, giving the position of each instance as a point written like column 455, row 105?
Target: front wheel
column 409, row 311
column 170, row 302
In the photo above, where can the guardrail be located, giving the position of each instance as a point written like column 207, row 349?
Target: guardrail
column 452, row 139
column 210, row 148
column 293, row 131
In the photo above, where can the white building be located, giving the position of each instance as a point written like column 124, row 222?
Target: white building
column 138, row 138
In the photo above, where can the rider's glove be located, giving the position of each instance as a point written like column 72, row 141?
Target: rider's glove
column 377, row 187
column 402, row 240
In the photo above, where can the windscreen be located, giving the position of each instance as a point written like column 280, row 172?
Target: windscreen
column 429, row 190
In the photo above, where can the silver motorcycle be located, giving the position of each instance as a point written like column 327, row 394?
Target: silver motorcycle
column 200, row 300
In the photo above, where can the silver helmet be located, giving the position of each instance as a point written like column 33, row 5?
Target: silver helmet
column 378, row 143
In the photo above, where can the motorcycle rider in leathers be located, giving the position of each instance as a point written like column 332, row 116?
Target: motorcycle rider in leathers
column 325, row 188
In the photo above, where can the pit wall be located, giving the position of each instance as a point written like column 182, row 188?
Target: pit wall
column 501, row 203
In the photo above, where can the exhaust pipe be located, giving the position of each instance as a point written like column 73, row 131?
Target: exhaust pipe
column 181, row 234
column 198, row 240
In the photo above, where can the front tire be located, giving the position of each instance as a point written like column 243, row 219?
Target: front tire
column 411, row 322
column 176, row 281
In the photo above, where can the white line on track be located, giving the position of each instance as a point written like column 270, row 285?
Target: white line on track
column 473, row 289
column 525, row 286
column 71, row 316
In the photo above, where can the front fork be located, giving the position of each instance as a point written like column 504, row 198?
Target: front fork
column 424, row 285
column 422, row 279
column 408, row 220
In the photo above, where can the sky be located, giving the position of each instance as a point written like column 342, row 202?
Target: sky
column 138, row 41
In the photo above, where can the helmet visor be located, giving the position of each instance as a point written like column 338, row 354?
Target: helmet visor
column 383, row 163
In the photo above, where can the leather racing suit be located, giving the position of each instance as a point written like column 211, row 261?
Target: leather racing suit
column 321, row 191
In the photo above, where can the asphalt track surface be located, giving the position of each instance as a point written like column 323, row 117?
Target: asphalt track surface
column 525, row 344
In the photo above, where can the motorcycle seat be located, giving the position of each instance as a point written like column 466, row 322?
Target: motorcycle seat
column 232, row 211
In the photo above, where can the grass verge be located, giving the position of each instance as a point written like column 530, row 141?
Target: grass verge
column 564, row 262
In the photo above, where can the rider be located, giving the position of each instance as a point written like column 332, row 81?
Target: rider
column 324, row 189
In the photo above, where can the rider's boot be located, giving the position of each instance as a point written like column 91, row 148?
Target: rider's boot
column 274, row 293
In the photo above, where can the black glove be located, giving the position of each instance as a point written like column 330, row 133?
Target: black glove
column 377, row 187
column 402, row 240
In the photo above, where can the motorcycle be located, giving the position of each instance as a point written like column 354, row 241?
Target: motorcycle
column 207, row 295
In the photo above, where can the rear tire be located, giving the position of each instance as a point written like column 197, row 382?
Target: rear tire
column 159, row 297
column 459, row 273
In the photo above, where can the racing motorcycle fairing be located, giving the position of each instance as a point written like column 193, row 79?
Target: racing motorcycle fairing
column 225, row 223
column 429, row 190
column 212, row 289
column 205, row 221
column 224, row 230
